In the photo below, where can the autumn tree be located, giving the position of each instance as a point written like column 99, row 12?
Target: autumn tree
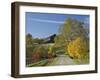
column 64, row 31
column 69, row 31
column 78, row 48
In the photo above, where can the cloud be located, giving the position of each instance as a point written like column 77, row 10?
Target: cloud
column 46, row 21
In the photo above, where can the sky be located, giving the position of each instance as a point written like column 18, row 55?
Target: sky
column 42, row 25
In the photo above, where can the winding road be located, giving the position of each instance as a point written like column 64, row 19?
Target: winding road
column 62, row 60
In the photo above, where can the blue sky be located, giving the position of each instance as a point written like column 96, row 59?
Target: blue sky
column 42, row 25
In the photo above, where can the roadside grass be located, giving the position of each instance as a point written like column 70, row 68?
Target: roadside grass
column 85, row 60
column 39, row 63
column 52, row 62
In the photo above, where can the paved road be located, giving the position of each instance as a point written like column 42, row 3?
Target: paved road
column 62, row 60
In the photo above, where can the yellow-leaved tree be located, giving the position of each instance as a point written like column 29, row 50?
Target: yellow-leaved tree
column 78, row 48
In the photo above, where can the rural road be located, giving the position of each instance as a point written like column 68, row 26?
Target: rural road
column 62, row 60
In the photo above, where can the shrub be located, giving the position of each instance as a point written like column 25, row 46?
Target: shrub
column 36, row 55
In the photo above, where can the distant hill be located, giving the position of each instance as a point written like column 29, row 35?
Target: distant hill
column 50, row 39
